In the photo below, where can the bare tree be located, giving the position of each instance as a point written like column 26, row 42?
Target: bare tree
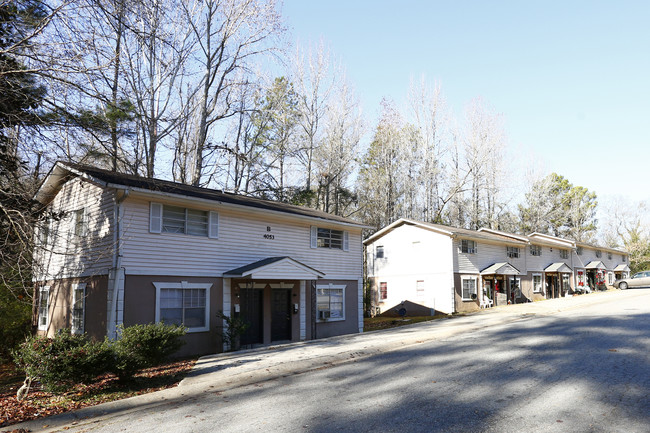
column 314, row 82
column 230, row 35
column 335, row 159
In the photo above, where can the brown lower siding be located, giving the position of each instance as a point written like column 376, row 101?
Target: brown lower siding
column 351, row 323
column 140, row 304
column 140, row 308
column 61, row 305
column 461, row 305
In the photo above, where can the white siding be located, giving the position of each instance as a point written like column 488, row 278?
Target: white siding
column 412, row 254
column 69, row 255
column 486, row 255
column 241, row 241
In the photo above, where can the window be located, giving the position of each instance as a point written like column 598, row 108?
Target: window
column 176, row 219
column 44, row 232
column 599, row 253
column 535, row 250
column 564, row 254
column 78, row 308
column 469, row 288
column 419, row 287
column 380, row 252
column 467, row 246
column 43, row 308
column 184, row 303
column 512, row 252
column 579, row 251
column 383, row 290
column 609, row 256
column 537, row 283
column 181, row 220
column 80, row 222
column 329, row 238
column 623, row 258
column 610, row 278
column 330, row 302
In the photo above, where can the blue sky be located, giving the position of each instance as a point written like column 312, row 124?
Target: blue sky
column 571, row 78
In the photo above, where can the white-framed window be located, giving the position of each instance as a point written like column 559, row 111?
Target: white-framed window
column 180, row 220
column 467, row 246
column 579, row 251
column 623, row 258
column 512, row 252
column 609, row 256
column 330, row 301
column 564, row 254
column 329, row 238
column 380, row 252
column 78, row 308
column 419, row 287
column 44, row 232
column 184, row 303
column 80, row 222
column 43, row 308
column 469, row 287
column 535, row 250
column 383, row 290
column 599, row 253
column 537, row 283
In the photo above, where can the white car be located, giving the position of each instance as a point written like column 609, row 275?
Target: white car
column 640, row 279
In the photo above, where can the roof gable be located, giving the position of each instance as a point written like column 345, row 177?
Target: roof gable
column 275, row 268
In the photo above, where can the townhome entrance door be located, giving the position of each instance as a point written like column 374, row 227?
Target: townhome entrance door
column 251, row 311
column 280, row 314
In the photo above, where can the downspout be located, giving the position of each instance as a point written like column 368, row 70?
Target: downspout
column 117, row 260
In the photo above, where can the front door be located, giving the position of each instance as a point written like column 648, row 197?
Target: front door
column 280, row 314
column 251, row 311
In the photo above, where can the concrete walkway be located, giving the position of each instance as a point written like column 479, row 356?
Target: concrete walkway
column 226, row 371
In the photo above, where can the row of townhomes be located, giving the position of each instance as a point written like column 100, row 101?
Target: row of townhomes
column 120, row 249
column 452, row 270
column 124, row 250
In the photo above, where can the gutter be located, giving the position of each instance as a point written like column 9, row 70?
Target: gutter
column 117, row 259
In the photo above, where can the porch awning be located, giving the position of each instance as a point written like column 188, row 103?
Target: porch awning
column 504, row 268
column 558, row 267
column 596, row 264
column 622, row 268
column 275, row 268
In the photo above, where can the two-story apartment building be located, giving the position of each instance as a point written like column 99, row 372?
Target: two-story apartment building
column 454, row 270
column 122, row 249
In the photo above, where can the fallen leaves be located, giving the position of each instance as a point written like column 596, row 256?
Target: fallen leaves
column 39, row 404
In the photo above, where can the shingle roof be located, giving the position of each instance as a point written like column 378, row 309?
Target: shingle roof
column 159, row 185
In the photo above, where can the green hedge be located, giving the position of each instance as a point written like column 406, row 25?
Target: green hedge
column 61, row 362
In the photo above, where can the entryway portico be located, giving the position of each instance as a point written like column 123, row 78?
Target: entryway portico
column 273, row 296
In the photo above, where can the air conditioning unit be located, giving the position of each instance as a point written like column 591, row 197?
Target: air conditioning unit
column 323, row 314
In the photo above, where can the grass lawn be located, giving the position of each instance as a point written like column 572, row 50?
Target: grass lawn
column 39, row 403
column 380, row 322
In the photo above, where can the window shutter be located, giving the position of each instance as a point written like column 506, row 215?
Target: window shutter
column 346, row 242
column 314, row 237
column 213, row 230
column 155, row 218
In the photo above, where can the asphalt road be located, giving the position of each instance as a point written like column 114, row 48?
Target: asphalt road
column 581, row 367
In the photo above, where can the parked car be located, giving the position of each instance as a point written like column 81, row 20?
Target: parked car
column 640, row 279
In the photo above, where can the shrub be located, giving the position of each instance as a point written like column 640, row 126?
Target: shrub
column 143, row 346
column 63, row 361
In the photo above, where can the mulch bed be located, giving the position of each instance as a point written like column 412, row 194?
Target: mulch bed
column 39, row 404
